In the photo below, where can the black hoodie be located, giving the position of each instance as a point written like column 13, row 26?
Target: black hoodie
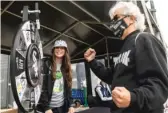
column 142, row 69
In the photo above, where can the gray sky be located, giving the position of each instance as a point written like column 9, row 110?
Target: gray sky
column 162, row 17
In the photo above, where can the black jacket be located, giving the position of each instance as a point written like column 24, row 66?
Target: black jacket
column 142, row 69
column 47, row 88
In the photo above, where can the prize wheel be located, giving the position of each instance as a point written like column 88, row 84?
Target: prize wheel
column 25, row 67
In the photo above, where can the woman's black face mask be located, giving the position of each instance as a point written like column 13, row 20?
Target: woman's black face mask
column 118, row 26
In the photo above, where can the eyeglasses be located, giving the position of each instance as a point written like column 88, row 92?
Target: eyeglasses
column 117, row 17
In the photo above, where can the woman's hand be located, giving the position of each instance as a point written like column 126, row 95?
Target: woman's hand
column 71, row 110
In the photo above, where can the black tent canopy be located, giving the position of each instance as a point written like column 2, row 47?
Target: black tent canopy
column 80, row 23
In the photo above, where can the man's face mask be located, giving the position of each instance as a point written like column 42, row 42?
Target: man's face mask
column 118, row 26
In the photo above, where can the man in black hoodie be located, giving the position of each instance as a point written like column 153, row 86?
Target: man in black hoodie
column 139, row 78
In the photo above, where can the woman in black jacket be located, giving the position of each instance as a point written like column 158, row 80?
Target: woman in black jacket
column 56, row 90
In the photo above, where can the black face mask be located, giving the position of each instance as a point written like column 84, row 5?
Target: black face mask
column 118, row 27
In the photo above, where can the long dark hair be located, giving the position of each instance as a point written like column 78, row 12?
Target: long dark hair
column 66, row 66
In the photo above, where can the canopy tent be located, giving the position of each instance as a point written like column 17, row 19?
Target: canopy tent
column 82, row 24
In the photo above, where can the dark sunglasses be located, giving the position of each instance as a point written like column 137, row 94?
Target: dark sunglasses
column 116, row 17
